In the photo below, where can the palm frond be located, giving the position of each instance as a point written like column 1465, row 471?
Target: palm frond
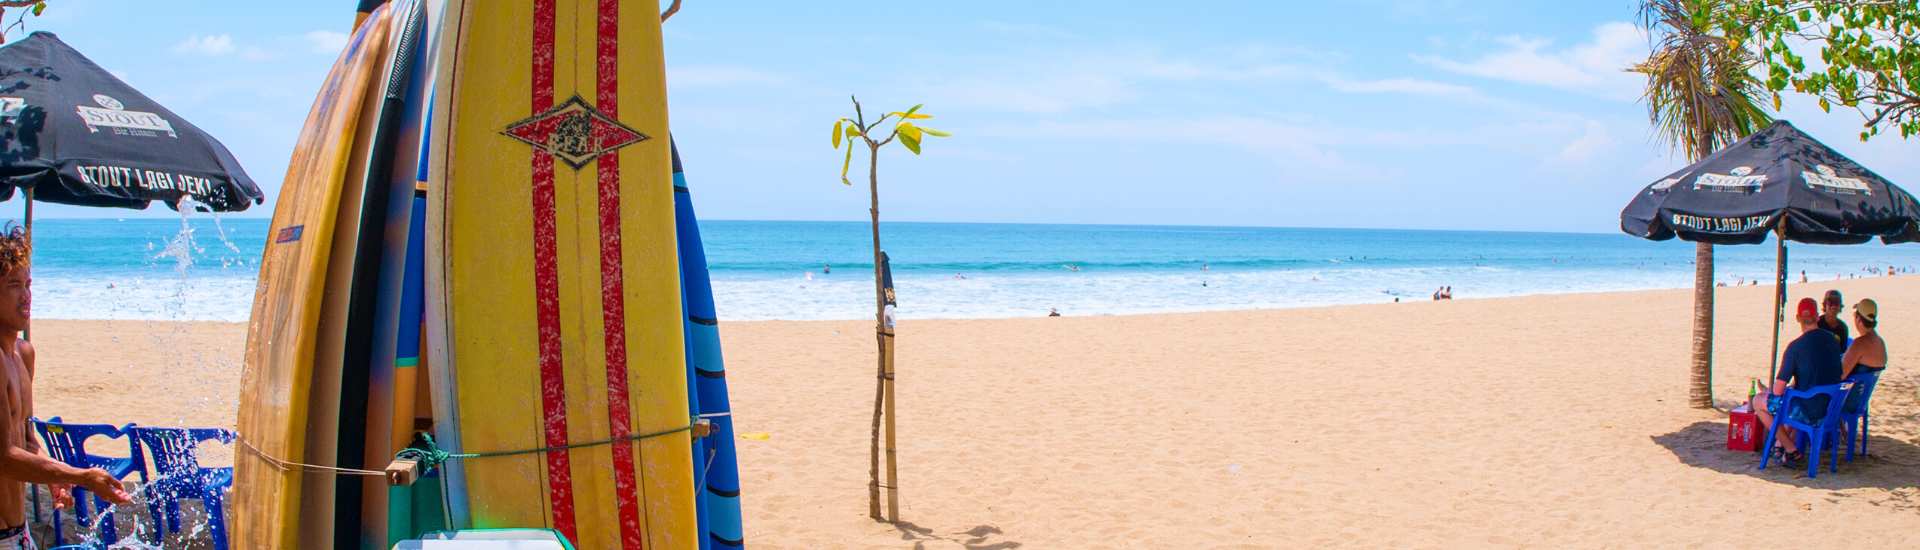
column 1702, row 89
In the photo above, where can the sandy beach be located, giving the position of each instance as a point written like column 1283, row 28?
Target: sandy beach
column 1549, row 421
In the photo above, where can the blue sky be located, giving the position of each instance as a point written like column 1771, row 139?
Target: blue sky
column 1371, row 113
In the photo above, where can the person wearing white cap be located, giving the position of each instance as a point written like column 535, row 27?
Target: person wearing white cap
column 1868, row 354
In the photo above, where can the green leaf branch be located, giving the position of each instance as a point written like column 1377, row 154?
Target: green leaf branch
column 1869, row 54
column 909, row 135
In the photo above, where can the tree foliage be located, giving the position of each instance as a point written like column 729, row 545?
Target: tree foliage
column 1702, row 91
column 909, row 134
column 1869, row 54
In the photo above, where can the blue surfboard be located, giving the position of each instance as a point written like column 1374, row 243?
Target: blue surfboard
column 716, row 469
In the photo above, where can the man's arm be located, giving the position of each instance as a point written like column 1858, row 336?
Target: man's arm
column 31, row 467
column 1849, row 360
column 26, row 358
column 1788, row 366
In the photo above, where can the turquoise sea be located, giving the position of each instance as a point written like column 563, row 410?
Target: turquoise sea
column 204, row 268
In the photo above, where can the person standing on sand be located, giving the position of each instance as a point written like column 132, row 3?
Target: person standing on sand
column 20, row 461
column 1830, row 305
column 1812, row 360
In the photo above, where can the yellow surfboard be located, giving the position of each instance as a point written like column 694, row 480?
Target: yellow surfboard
column 553, row 301
column 289, row 396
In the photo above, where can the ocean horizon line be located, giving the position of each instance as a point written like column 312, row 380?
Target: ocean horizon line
column 1508, row 231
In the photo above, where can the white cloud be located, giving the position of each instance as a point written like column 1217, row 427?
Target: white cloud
column 695, row 76
column 1592, row 141
column 1597, row 66
column 1070, row 82
column 211, row 45
column 1294, row 144
column 1036, row 94
column 325, row 42
column 1411, row 86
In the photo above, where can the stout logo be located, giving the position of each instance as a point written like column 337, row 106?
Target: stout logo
column 1666, row 184
column 1738, row 179
column 113, row 114
column 1823, row 178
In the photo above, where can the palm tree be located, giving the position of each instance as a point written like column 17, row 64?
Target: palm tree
column 1702, row 94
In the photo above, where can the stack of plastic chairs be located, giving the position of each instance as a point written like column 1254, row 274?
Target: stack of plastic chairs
column 67, row 443
column 178, row 475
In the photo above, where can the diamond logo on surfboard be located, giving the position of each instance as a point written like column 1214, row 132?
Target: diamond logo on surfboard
column 574, row 132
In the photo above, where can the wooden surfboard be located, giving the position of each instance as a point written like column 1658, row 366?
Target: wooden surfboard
column 296, row 332
column 368, row 385
column 552, row 284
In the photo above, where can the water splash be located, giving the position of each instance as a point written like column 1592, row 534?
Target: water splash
column 132, row 540
column 185, row 254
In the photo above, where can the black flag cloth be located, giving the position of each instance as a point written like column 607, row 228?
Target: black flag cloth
column 886, row 277
column 78, row 135
column 1777, row 175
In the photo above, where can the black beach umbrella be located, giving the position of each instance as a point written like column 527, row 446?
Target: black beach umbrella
column 72, row 133
column 1777, row 181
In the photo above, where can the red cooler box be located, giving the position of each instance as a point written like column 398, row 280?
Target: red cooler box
column 1743, row 430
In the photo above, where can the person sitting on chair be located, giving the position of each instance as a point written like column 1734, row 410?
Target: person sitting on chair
column 1868, row 354
column 1811, row 360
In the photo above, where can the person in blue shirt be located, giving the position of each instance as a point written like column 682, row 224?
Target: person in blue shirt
column 1811, row 360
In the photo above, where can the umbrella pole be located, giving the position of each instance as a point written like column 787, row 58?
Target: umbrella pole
column 1779, row 294
column 27, row 334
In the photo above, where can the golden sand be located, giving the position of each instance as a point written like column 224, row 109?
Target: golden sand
column 1536, row 421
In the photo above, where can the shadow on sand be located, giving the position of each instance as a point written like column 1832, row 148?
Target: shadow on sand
column 977, row 538
column 1891, row 467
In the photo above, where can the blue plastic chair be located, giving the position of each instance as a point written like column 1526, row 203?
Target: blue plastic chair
column 179, row 475
column 67, row 443
column 1813, row 438
column 1854, row 416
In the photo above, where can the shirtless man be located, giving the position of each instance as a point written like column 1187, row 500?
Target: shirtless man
column 20, row 460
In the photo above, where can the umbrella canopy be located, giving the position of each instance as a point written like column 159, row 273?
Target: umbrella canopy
column 75, row 134
column 1778, row 175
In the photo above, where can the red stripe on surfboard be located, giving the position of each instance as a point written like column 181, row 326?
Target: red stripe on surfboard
column 612, row 287
column 553, row 389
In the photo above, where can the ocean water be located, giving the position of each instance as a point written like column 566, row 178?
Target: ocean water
column 203, row 268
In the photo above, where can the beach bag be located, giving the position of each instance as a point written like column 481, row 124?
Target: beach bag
column 1743, row 429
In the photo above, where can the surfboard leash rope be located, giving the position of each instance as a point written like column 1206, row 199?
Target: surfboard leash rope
column 433, row 456
column 285, row 466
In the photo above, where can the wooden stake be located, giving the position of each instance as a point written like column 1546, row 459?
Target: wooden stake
column 893, row 471
column 881, row 331
column 873, row 446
